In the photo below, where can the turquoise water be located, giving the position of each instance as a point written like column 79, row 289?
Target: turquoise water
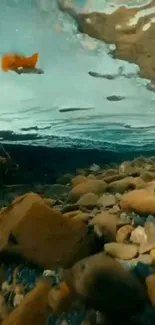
column 50, row 104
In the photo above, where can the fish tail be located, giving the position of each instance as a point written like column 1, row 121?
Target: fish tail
column 34, row 59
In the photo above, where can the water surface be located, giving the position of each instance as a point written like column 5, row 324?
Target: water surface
column 66, row 105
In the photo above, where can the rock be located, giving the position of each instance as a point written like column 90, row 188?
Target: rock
column 105, row 224
column 143, row 258
column 113, row 178
column 128, row 169
column 147, row 176
column 81, row 171
column 146, row 248
column 88, row 200
column 120, row 186
column 125, row 184
column 107, row 200
column 111, row 172
column 49, row 202
column 149, row 244
column 138, row 236
column 6, row 287
column 131, row 264
column 60, row 298
column 123, row 234
column 122, row 223
column 94, row 168
column 152, row 254
column 138, row 183
column 91, row 176
column 37, row 228
column 90, row 186
column 64, row 179
column 18, row 298
column 149, row 228
column 140, row 162
column 124, row 167
column 118, row 196
column 79, row 179
column 150, row 283
column 33, row 309
column 98, row 280
column 114, row 210
column 139, row 201
column 125, row 218
column 69, row 208
column 121, row 250
column 82, row 216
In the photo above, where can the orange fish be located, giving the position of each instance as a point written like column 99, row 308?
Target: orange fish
column 14, row 62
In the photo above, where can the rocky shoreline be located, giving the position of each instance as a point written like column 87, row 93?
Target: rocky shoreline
column 82, row 250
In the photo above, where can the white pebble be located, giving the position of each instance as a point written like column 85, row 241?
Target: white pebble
column 18, row 299
column 94, row 168
column 6, row 287
column 146, row 27
column 88, row 20
column 138, row 236
column 49, row 273
column 112, row 47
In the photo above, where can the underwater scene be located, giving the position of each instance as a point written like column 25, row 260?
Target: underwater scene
column 77, row 162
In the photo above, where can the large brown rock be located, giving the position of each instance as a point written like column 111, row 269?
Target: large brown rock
column 148, row 244
column 120, row 186
column 107, row 200
column 105, row 224
column 139, row 201
column 33, row 310
column 150, row 282
column 113, row 178
column 90, row 186
column 127, row 168
column 88, row 200
column 102, row 283
column 121, row 250
column 147, row 176
column 43, row 235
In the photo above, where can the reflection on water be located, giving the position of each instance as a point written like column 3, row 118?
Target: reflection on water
column 56, row 98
